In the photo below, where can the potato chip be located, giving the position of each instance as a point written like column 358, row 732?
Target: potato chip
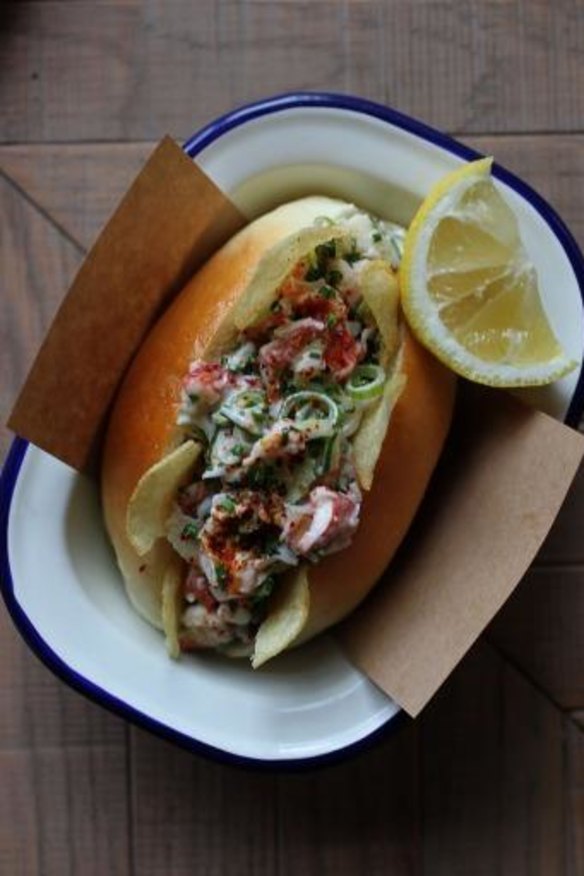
column 171, row 605
column 369, row 438
column 380, row 290
column 150, row 505
column 287, row 614
column 151, row 501
column 273, row 269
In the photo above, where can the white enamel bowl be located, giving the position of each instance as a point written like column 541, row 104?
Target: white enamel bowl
column 59, row 579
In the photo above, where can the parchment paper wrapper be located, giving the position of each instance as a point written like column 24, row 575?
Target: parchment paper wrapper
column 496, row 493
column 168, row 223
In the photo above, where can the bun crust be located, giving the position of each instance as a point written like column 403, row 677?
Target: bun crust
column 417, row 430
column 142, row 428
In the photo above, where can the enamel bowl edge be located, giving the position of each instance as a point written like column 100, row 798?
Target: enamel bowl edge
column 65, row 597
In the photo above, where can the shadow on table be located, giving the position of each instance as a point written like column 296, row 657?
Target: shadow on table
column 474, row 782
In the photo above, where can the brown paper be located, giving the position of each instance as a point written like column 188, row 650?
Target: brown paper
column 500, row 485
column 169, row 222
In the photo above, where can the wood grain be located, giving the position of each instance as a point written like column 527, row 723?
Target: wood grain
column 563, row 544
column 575, row 799
column 540, row 629
column 121, row 71
column 63, row 812
column 490, row 780
column 492, row 772
column 191, row 815
column 77, row 185
column 356, row 817
column 39, row 711
column 38, row 266
column 552, row 163
column 329, row 821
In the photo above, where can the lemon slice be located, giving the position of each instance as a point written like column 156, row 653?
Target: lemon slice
column 470, row 292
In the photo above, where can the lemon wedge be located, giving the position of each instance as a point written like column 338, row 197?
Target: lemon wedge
column 469, row 290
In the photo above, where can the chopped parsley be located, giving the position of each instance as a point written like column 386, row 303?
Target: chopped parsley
column 314, row 272
column 353, row 256
column 261, row 476
column 334, row 277
column 265, row 588
column 221, row 574
column 326, row 250
column 190, row 530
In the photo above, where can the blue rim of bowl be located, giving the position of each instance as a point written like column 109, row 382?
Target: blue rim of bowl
column 16, row 455
column 92, row 691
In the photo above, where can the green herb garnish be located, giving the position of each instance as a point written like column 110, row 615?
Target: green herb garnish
column 334, row 277
column 190, row 530
column 261, row 477
column 314, row 272
column 220, row 574
column 265, row 588
column 326, row 250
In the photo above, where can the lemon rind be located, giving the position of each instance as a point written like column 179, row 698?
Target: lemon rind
column 431, row 331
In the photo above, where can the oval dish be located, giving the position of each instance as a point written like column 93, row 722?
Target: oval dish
column 66, row 597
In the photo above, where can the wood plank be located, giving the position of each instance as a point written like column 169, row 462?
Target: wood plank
column 78, row 185
column 492, row 772
column 564, row 542
column 140, row 71
column 553, row 164
column 62, row 759
column 63, row 812
column 38, row 265
column 39, row 710
column 575, row 799
column 194, row 816
column 356, row 817
column 540, row 629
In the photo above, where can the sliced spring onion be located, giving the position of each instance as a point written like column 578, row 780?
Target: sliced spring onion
column 330, row 454
column 301, row 479
column 241, row 357
column 225, row 450
column 247, row 409
column 198, row 434
column 397, row 244
column 219, row 418
column 351, row 422
column 366, row 382
column 313, row 413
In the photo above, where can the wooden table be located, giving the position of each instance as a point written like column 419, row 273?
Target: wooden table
column 490, row 780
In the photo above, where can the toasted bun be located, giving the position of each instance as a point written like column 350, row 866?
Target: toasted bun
column 418, row 427
column 142, row 426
